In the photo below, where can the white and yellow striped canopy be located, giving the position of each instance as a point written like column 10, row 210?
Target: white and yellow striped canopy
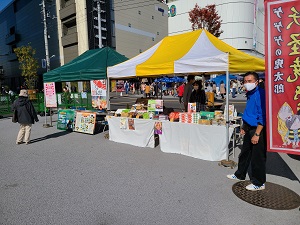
column 193, row 52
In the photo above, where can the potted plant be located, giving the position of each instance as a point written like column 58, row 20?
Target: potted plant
column 28, row 66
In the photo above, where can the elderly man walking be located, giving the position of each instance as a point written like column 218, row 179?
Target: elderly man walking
column 26, row 116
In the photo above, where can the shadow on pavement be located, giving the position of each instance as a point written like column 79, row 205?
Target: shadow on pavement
column 277, row 166
column 296, row 157
column 55, row 135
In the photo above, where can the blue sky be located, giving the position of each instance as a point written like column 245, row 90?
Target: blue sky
column 4, row 3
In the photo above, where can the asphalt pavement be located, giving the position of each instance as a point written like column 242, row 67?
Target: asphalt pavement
column 72, row 178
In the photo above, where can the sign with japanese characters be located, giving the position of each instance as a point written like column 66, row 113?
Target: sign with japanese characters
column 98, row 87
column 85, row 122
column 65, row 119
column 282, row 42
column 98, row 92
column 50, row 94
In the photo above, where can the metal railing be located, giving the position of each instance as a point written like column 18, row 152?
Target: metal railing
column 64, row 101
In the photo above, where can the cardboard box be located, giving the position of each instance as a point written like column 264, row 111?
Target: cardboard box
column 205, row 122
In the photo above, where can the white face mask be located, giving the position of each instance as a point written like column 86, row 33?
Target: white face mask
column 250, row 86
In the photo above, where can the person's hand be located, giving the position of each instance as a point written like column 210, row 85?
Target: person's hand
column 254, row 139
column 242, row 132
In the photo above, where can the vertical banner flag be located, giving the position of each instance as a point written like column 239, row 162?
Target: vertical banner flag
column 98, row 92
column 50, row 94
column 282, row 48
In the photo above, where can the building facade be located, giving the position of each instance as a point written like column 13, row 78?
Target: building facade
column 21, row 23
column 79, row 28
column 242, row 21
column 129, row 27
column 139, row 25
column 75, row 26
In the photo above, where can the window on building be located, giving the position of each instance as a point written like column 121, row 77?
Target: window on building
column 157, row 33
column 69, row 27
column 153, row 39
column 12, row 30
column 12, row 48
column 139, row 12
column 153, row 17
column 64, row 3
column 140, row 51
column 129, row 24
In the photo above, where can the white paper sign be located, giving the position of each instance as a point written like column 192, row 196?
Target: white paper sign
column 50, row 94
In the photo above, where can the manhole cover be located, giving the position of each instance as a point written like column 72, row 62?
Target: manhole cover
column 273, row 197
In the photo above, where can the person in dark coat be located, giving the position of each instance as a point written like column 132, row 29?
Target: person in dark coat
column 198, row 95
column 26, row 116
column 188, row 88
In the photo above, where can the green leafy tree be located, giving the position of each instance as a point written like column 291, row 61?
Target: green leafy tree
column 28, row 64
column 206, row 18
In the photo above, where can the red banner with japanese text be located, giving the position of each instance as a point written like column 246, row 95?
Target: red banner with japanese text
column 282, row 49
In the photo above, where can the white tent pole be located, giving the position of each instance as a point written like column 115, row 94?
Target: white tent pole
column 108, row 94
column 227, row 109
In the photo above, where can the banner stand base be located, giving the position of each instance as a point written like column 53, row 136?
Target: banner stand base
column 46, row 125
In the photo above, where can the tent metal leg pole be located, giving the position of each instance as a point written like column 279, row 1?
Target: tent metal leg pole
column 45, row 125
column 50, row 111
column 227, row 162
column 161, row 91
column 227, row 113
column 108, row 94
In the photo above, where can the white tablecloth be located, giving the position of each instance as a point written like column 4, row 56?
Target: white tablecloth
column 198, row 141
column 142, row 136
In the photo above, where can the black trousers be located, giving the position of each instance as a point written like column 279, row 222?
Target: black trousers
column 254, row 154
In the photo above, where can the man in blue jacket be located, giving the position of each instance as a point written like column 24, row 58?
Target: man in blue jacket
column 254, row 142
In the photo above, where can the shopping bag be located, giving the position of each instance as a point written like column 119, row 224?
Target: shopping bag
column 15, row 116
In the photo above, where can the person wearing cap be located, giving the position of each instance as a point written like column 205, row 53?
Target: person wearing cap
column 26, row 116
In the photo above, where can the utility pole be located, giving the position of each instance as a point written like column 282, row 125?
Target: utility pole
column 46, row 125
column 46, row 35
column 99, row 23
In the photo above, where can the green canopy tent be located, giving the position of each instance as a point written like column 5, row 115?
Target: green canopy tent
column 91, row 65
